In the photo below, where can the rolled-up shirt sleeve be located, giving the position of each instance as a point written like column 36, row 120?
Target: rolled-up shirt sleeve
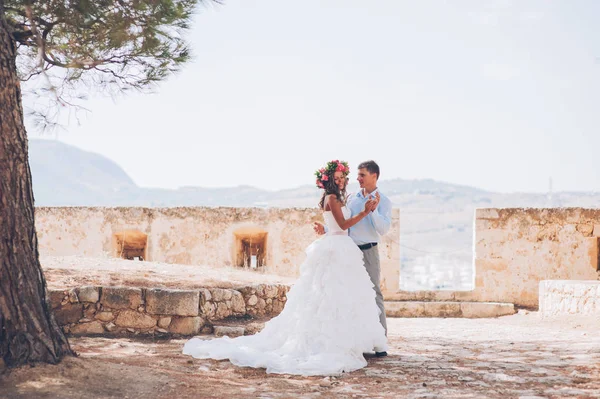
column 382, row 216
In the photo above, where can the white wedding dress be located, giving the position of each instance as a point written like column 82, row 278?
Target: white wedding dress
column 329, row 320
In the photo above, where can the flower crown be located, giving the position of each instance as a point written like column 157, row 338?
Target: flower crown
column 329, row 169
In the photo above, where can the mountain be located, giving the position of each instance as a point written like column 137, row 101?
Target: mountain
column 65, row 175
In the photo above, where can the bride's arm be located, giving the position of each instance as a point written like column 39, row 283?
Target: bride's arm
column 336, row 209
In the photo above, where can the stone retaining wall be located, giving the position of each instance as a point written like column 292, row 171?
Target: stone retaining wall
column 92, row 310
column 569, row 297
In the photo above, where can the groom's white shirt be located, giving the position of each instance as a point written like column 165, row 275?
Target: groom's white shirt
column 377, row 223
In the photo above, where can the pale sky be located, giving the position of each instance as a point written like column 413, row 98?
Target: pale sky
column 494, row 94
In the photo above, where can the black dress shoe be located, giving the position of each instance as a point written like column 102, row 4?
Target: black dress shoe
column 380, row 354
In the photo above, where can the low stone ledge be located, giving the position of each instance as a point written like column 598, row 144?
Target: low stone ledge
column 447, row 309
column 121, row 297
column 569, row 297
column 130, row 310
column 172, row 302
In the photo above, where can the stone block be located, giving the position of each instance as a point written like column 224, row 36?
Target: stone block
column 133, row 319
column 220, row 294
column 164, row 322
column 405, row 309
column 231, row 332
column 569, row 297
column 172, row 302
column 121, row 297
column 105, row 316
column 238, row 306
column 94, row 327
column 474, row 310
column 88, row 294
column 186, row 325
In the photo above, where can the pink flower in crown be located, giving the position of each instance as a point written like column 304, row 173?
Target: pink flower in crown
column 325, row 178
column 347, row 169
column 320, row 184
column 336, row 161
column 322, row 170
column 341, row 167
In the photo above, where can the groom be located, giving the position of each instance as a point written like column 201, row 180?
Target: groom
column 366, row 232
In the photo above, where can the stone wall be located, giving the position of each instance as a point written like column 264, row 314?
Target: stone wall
column 197, row 235
column 516, row 248
column 92, row 310
column 569, row 297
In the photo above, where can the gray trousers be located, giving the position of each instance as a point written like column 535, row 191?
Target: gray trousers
column 371, row 257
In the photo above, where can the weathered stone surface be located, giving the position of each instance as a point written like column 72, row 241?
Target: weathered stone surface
column 105, row 316
column 221, row 331
column 277, row 307
column 110, row 327
column 186, row 325
column 220, row 294
column 270, row 291
column 69, row 313
column 94, row 327
column 88, row 294
column 522, row 246
column 447, row 309
column 222, row 311
column 569, row 297
column 253, row 328
column 172, row 302
column 133, row 319
column 204, row 295
column 121, row 297
column 259, row 309
column 73, row 296
column 252, row 300
column 585, row 229
column 164, row 322
column 208, row 310
column 207, row 329
column 486, row 309
column 89, row 311
column 238, row 306
column 247, row 290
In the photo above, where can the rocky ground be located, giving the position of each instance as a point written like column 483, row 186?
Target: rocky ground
column 519, row 356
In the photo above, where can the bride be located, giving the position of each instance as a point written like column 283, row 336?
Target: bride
column 330, row 318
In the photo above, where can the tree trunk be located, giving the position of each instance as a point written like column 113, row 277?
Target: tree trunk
column 28, row 331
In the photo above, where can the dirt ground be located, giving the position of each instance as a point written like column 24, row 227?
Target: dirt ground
column 519, row 356
column 75, row 271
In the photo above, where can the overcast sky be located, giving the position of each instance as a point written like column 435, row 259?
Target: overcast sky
column 501, row 95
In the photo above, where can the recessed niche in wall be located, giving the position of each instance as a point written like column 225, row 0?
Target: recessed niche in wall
column 130, row 244
column 250, row 247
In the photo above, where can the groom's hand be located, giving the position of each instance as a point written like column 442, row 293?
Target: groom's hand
column 319, row 229
column 377, row 199
column 370, row 205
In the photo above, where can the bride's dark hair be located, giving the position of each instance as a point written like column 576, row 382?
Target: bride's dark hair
column 329, row 187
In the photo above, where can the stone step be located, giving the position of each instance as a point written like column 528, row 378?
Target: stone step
column 447, row 309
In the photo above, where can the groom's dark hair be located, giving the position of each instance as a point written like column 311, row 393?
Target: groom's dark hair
column 371, row 166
